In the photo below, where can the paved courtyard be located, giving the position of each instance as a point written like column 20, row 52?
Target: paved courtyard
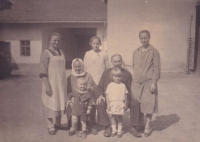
column 177, row 121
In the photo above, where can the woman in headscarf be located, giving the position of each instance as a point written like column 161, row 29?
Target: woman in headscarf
column 79, row 72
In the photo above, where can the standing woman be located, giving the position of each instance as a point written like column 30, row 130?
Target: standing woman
column 146, row 68
column 96, row 60
column 52, row 72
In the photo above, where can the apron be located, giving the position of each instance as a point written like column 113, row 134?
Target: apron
column 57, row 79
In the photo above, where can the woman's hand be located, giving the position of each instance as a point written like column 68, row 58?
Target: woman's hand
column 153, row 88
column 49, row 91
column 68, row 103
column 100, row 98
column 108, row 107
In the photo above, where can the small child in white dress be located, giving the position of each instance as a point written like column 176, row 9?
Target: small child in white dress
column 116, row 97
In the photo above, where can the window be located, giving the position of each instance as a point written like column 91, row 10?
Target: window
column 25, row 49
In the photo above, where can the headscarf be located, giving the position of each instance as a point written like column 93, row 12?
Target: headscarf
column 82, row 72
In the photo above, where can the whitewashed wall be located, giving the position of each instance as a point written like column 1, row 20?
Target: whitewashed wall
column 13, row 33
column 38, row 35
column 167, row 20
column 36, row 49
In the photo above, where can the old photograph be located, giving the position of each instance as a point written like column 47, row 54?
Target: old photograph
column 99, row 70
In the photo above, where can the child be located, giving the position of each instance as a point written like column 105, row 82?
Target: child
column 116, row 93
column 81, row 106
column 96, row 60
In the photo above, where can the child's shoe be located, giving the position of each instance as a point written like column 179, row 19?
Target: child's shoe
column 52, row 131
column 79, row 134
column 71, row 133
column 147, row 132
column 84, row 135
column 119, row 135
column 113, row 134
column 94, row 131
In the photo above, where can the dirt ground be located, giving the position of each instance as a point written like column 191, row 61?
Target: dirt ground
column 177, row 121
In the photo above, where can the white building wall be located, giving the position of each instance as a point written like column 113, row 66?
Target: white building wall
column 167, row 20
column 13, row 33
column 36, row 49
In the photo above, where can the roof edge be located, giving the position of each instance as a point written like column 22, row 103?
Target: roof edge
column 13, row 21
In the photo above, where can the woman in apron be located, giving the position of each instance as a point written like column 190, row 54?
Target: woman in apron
column 52, row 73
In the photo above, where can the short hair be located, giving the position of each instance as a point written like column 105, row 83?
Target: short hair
column 93, row 38
column 116, row 72
column 54, row 34
column 145, row 31
column 116, row 55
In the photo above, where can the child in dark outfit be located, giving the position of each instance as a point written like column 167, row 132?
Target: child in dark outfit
column 81, row 106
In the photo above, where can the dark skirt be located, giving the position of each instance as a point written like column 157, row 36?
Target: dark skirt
column 148, row 101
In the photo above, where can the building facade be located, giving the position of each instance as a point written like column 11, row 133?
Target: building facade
column 168, row 22
column 117, row 22
column 27, row 26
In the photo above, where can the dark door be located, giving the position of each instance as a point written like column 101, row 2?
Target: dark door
column 82, row 45
column 5, row 59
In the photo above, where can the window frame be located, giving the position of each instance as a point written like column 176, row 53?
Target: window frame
column 25, row 48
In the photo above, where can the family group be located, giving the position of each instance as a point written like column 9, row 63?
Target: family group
column 94, row 89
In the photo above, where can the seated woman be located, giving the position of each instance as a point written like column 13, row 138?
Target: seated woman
column 77, row 72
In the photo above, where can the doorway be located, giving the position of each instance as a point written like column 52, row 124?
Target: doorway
column 74, row 41
column 5, row 59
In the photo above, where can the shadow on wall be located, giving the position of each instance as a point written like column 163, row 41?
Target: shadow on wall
column 14, row 65
column 164, row 121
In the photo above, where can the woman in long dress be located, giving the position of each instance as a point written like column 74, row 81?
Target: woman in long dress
column 146, row 73
column 52, row 72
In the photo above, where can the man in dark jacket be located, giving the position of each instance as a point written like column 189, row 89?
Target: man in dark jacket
column 101, row 102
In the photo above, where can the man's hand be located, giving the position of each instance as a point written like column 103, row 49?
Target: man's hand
column 125, row 108
column 108, row 107
column 68, row 103
column 100, row 98
column 153, row 88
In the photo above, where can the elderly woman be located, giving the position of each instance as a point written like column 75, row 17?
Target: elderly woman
column 78, row 72
column 52, row 72
column 146, row 66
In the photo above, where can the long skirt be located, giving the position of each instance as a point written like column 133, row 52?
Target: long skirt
column 148, row 101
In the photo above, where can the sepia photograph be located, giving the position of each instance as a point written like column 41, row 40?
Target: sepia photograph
column 99, row 70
